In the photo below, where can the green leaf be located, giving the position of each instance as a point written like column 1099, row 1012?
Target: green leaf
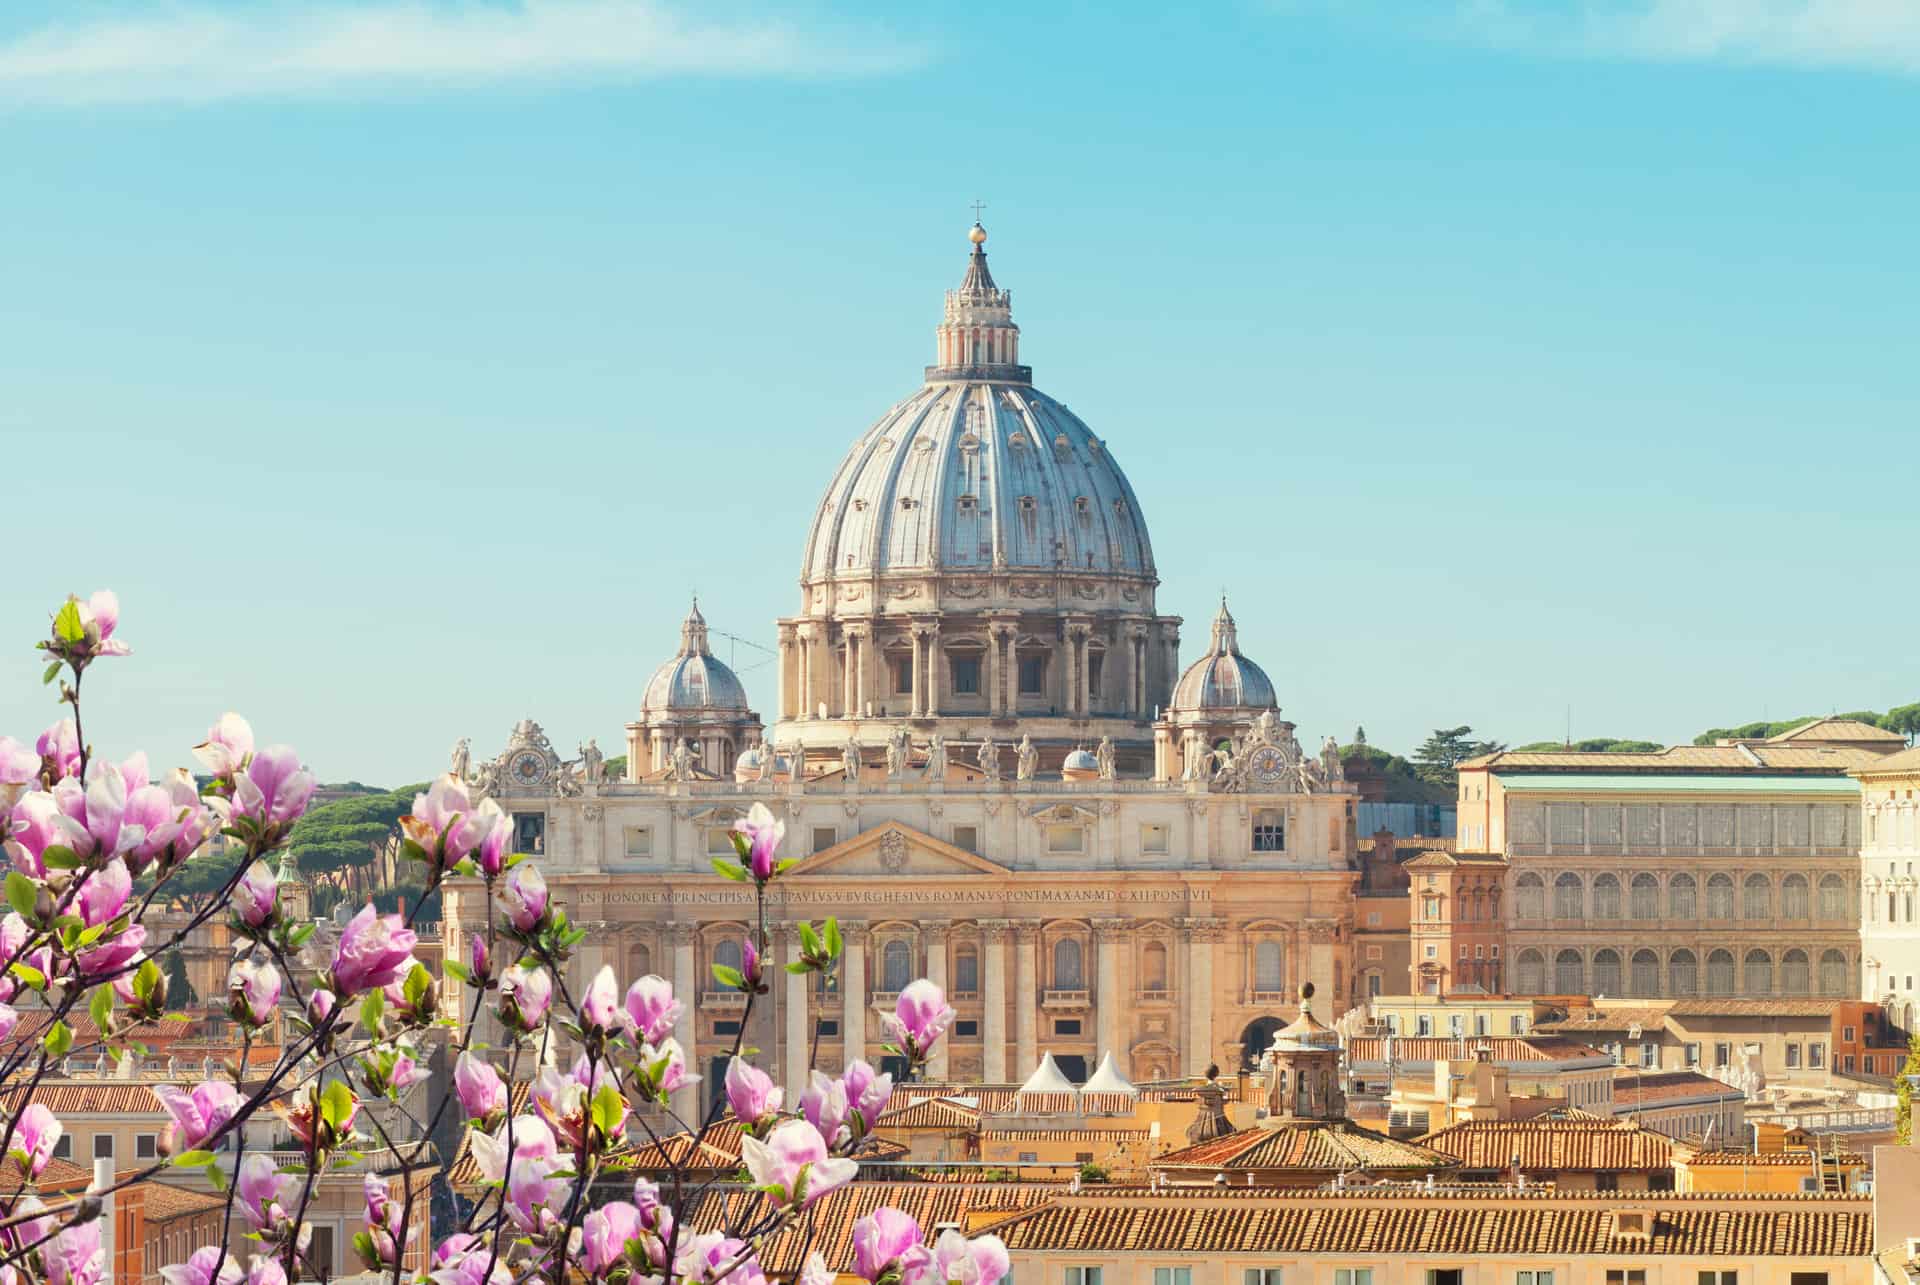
column 418, row 983
column 146, row 979
column 730, row 978
column 459, row 971
column 21, row 893
column 66, row 625
column 297, row 937
column 741, row 844
column 30, row 975
column 58, row 1040
column 800, row 967
column 731, row 869
column 373, row 1005
column 336, row 1103
column 193, row 1159
column 363, row 1246
column 809, row 939
column 53, row 671
column 785, row 864
column 100, row 1006
column 217, row 1178
column 608, row 1108
column 833, row 938
column 60, row 857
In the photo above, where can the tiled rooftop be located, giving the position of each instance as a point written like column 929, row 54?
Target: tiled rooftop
column 1587, row 1144
column 1504, row 1048
column 1331, row 1146
column 930, row 1113
column 1743, row 759
column 1662, row 1086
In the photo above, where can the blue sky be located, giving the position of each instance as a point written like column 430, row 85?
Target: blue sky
column 406, row 366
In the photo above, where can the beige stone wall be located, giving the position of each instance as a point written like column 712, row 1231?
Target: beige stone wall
column 1890, row 893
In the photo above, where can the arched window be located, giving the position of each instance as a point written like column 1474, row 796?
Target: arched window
column 1645, row 897
column 726, row 954
column 1529, row 897
column 1530, row 974
column 1757, row 976
column 1756, row 898
column 1153, row 967
column 1833, row 973
column 896, row 966
column 1794, row 900
column 1269, row 968
column 1066, row 965
column 1569, row 974
column 1794, row 973
column 1720, row 973
column 1646, row 973
column 1683, row 974
column 966, row 970
column 1681, row 903
column 642, row 961
column 1569, row 900
column 1606, row 897
column 1606, row 972
column 1833, row 897
column 1720, row 897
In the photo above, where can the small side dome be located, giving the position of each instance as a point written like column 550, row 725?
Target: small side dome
column 747, row 766
column 1224, row 678
column 1080, row 766
column 694, row 681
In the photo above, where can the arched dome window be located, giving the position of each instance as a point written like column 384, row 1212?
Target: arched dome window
column 1530, row 973
column 1833, row 897
column 1795, row 973
column 1795, row 902
column 1606, row 897
column 1720, row 897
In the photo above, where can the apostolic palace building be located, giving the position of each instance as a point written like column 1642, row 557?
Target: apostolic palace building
column 990, row 754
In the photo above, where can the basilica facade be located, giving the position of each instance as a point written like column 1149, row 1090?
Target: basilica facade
column 991, row 758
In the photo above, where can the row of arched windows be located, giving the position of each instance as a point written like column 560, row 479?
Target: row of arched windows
column 1640, row 897
column 1607, row 971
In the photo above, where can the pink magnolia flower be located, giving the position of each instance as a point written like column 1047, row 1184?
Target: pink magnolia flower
column 533, row 1190
column 605, row 1233
column 523, row 897
column 256, row 898
column 885, row 1240
column 320, row 1006
column 530, row 1139
column 173, row 819
column 75, row 1256
column 763, row 833
column 449, row 825
column 600, row 1006
column 651, row 1008
column 197, row 1116
column 752, row 971
column 134, row 771
column 228, row 746
column 259, row 1190
column 407, row 1070
column 483, row 1094
column 274, row 788
column 477, row 956
column 36, row 1135
column 814, row 1271
column 59, row 749
column 373, row 950
column 719, row 1258
column 919, row 1018
column 462, row 1258
column 19, row 768
column 751, row 1092
column 112, row 953
column 565, row 1101
column 212, row 1265
column 664, row 1066
column 93, row 820
column 253, row 992
column 867, row 1093
column 98, row 615
column 980, row 1261
column 9, row 1018
column 793, row 1164
column 105, row 893
column 36, row 826
column 496, row 839
column 526, row 996
column 824, row 1104
column 265, row 1269
column 386, row 1219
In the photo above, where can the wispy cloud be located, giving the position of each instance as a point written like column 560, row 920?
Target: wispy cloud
column 204, row 52
column 1879, row 35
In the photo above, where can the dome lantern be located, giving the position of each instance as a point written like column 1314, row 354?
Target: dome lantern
column 977, row 338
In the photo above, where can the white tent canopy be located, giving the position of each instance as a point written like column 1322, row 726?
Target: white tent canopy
column 1048, row 1078
column 1107, row 1078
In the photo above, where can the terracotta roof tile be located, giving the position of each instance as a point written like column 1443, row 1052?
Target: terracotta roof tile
column 1651, row 1089
column 1765, row 757
column 165, row 1201
column 1553, row 1144
column 1904, row 761
column 930, row 1113
column 1504, row 1048
column 1333, row 1146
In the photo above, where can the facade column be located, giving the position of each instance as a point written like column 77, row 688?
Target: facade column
column 795, row 1016
column 1109, row 1007
column 993, row 997
column 1201, row 933
column 1026, row 999
column 805, row 644
column 936, row 667
column 917, row 701
column 789, row 673
column 936, row 935
column 996, row 695
column 853, row 992
column 686, row 1102
column 850, row 669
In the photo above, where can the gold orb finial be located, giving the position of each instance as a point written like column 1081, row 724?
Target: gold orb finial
column 977, row 234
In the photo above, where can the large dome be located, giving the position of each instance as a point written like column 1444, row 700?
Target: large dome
column 694, row 681
column 1223, row 678
column 978, row 470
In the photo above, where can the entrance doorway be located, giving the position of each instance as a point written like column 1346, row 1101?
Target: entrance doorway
column 1256, row 1040
column 1072, row 1065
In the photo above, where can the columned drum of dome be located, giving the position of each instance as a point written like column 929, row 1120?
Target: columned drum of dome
column 693, row 701
column 978, row 560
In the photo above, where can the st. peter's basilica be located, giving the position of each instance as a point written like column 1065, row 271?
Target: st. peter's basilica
column 987, row 750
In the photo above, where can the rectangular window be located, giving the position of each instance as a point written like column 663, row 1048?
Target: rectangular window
column 1719, row 1278
column 1066, row 1026
column 1066, row 838
column 1846, row 1034
column 1269, row 831
column 903, row 676
column 1443, row 1276
column 1649, row 1056
column 1373, row 919
column 1722, row 1054
column 639, row 841
column 967, row 838
column 1373, row 985
column 1153, row 839
column 966, row 1029
column 63, row 1148
column 1793, row 1055
column 1173, row 1276
column 1033, row 675
column 1806, row 1278
column 1693, row 1055
column 146, row 1146
column 103, row 1146
column 824, row 837
column 1846, row 1063
column 726, row 1027
column 1816, row 1056
column 966, row 675
column 1033, row 1157
column 1423, row 1024
column 530, row 832
column 1627, row 1276
column 1078, row 1275
column 1433, row 951
column 1262, row 1276
column 829, row 1028
column 1533, row 1278
column 1353, row 1276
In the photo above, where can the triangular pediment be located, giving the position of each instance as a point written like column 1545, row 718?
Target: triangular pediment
column 895, row 848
